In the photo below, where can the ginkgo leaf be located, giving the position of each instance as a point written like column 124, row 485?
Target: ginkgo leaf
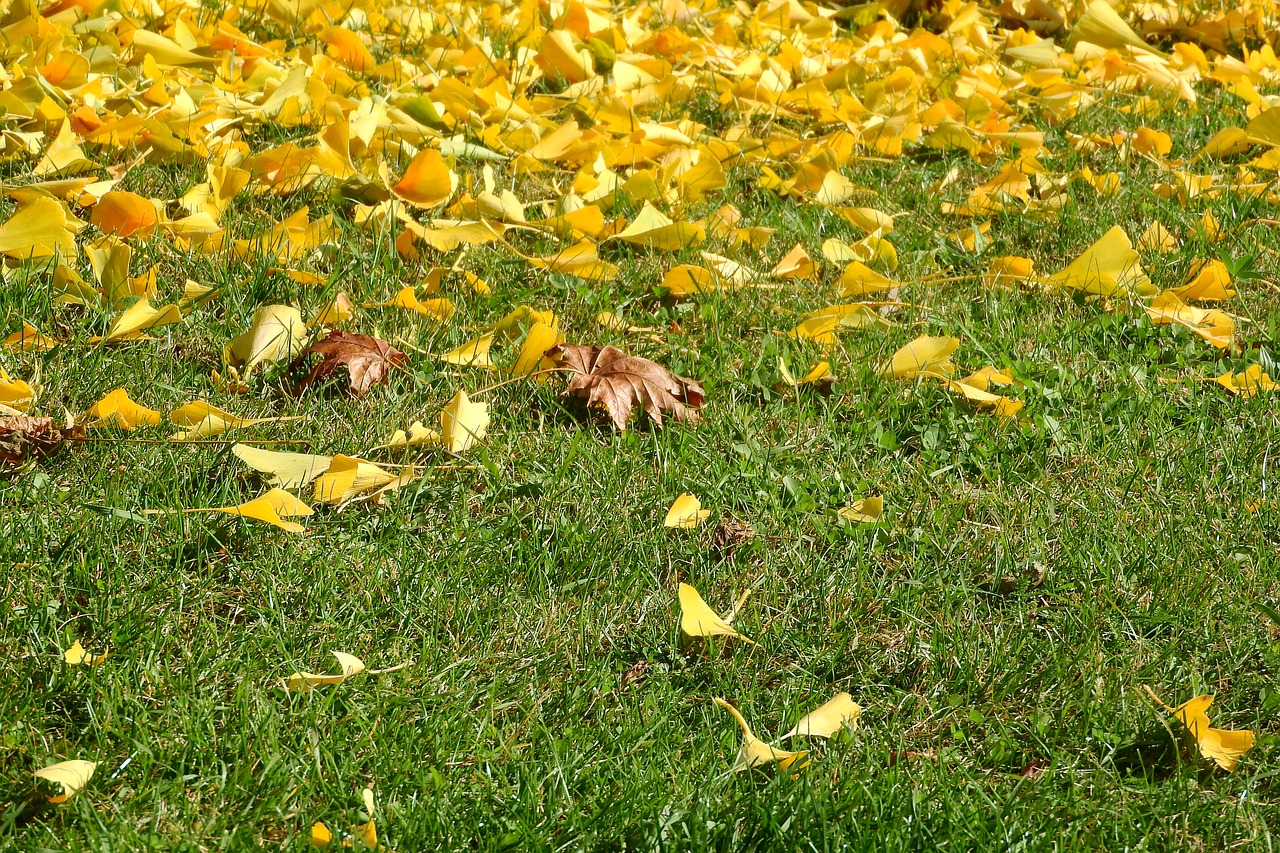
column 699, row 620
column 686, row 512
column 533, row 351
column 285, row 470
column 138, row 318
column 1211, row 282
column 69, row 776
column 29, row 339
column 979, row 396
column 117, row 409
column 863, row 511
column 1008, row 271
column 15, row 393
column 796, row 264
column 320, row 835
column 125, row 214
column 1107, row 268
column 1216, row 327
column 689, row 280
column 756, row 753
column 274, row 508
column 1250, row 382
column 613, row 323
column 305, row 682
column 1101, row 25
column 204, row 420
column 859, row 280
column 463, row 424
column 77, row 656
column 1156, row 238
column 39, row 228
column 339, row 311
column 820, row 326
column 923, row 355
column 428, row 181
column 655, row 231
column 838, row 713
column 440, row 310
column 347, row 477
column 474, row 353
column 819, row 373
column 277, row 333
column 417, row 436
column 1224, row 747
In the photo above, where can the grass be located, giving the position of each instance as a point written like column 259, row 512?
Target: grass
column 1028, row 578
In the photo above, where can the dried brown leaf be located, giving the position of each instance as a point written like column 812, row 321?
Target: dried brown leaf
column 368, row 360
column 22, row 436
column 612, row 380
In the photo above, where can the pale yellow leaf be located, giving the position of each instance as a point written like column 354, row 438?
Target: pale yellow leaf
column 285, row 470
column 70, row 776
column 463, row 423
column 686, row 512
column 305, row 682
column 838, row 713
column 699, row 620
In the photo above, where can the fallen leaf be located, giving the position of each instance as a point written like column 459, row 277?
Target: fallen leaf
column 117, row 409
column 863, row 511
column 474, row 353
column 29, row 339
column 21, row 436
column 838, row 713
column 338, row 311
column 125, row 214
column 347, row 478
column 428, row 182
column 653, row 230
column 686, row 512
column 205, row 420
column 1107, row 268
column 923, row 355
column 276, row 333
column 39, row 228
column 616, row 382
column 77, row 656
column 70, row 776
column 1211, row 282
column 1216, row 327
column 440, row 310
column 285, row 470
column 699, row 620
column 1223, row 747
column 305, row 682
column 368, row 361
column 274, row 508
column 138, row 318
column 463, row 423
column 1248, row 383
column 320, row 835
column 859, row 280
column 15, row 393
column 755, row 752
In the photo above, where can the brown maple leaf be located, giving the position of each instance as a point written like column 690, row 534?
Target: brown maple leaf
column 20, row 436
column 368, row 360
column 612, row 380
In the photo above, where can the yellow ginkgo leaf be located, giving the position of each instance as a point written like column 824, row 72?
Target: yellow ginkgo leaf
column 925, row 354
column 863, row 511
column 117, row 409
column 39, row 228
column 29, row 339
column 440, row 310
column 1156, row 238
column 655, row 231
column 1109, row 267
column 796, row 264
column 285, row 470
column 1248, row 383
column 474, row 353
column 367, row 833
column 277, row 333
column 859, row 280
column 613, row 323
column 1102, row 25
column 139, row 317
column 427, row 182
column 755, row 752
column 77, row 656
column 1008, row 271
column 838, row 713
column 979, row 396
column 320, row 835
column 820, row 372
column 1224, row 747
column 821, row 326
column 337, row 312
column 463, row 423
column 690, row 280
column 304, row 682
column 1211, row 282
column 986, row 377
column 348, row 477
column 533, row 351
column 686, row 512
column 699, row 620
column 70, row 776
column 204, row 420
column 1216, row 327
column 417, row 436
column 274, row 508
column 15, row 393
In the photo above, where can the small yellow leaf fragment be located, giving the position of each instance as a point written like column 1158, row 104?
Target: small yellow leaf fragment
column 77, row 656
column 70, row 776
column 474, row 353
column 427, row 182
column 205, row 420
column 838, row 713
column 699, row 620
column 795, row 265
column 1216, row 327
column 304, row 682
column 417, row 436
column 533, row 351
column 925, row 354
column 440, row 310
column 463, row 423
column 15, row 393
column 1156, row 238
column 1211, row 282
column 320, row 835
column 340, row 310
column 368, row 835
column 686, row 512
column 117, row 409
column 690, row 280
column 821, row 326
column 864, row 511
column 755, row 752
column 1009, row 271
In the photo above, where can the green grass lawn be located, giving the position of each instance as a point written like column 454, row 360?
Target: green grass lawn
column 1028, row 577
